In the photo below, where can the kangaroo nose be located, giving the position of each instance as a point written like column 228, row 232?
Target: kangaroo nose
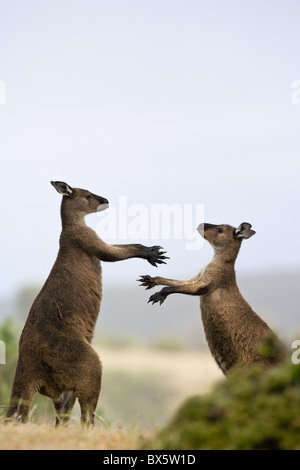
column 103, row 204
column 102, row 200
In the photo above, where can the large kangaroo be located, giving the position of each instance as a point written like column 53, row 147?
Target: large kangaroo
column 233, row 331
column 55, row 355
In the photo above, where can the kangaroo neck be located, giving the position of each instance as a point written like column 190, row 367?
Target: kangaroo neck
column 226, row 254
column 222, row 271
column 225, row 257
column 71, row 218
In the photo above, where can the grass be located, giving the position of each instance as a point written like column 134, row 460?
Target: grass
column 251, row 409
column 141, row 388
column 31, row 436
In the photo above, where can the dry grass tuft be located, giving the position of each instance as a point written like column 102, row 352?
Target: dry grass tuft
column 32, row 436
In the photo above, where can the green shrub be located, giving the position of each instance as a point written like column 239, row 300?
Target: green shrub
column 252, row 409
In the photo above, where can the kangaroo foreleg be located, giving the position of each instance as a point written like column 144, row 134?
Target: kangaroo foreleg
column 149, row 281
column 89, row 241
column 152, row 254
column 194, row 288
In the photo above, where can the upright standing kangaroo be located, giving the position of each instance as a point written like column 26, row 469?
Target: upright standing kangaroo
column 55, row 355
column 233, row 331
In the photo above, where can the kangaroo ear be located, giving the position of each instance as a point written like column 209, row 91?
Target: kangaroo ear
column 244, row 231
column 63, row 188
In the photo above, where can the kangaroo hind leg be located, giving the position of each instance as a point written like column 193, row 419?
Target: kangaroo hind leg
column 21, row 398
column 63, row 407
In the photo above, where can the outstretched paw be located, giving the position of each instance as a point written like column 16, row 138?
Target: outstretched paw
column 155, row 256
column 147, row 281
column 158, row 297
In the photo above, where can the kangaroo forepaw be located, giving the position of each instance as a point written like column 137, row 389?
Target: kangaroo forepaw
column 147, row 281
column 158, row 297
column 155, row 256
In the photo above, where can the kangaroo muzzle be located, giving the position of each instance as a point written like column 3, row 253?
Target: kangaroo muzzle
column 104, row 204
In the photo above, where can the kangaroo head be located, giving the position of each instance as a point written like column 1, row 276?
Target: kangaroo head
column 224, row 237
column 79, row 201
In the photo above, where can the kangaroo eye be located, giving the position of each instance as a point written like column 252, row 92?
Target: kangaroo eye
column 88, row 197
column 219, row 230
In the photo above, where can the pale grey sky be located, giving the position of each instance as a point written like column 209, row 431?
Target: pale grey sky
column 160, row 101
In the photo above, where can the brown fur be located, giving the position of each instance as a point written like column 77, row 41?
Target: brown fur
column 55, row 355
column 233, row 330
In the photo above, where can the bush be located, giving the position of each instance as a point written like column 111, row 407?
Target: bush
column 252, row 409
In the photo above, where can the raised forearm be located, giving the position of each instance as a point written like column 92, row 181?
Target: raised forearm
column 88, row 240
column 149, row 281
column 121, row 252
column 111, row 253
column 193, row 288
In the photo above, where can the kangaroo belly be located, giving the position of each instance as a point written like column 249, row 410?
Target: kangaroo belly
column 232, row 329
column 219, row 338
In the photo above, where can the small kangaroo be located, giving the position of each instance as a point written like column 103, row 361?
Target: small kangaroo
column 233, row 331
column 55, row 355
